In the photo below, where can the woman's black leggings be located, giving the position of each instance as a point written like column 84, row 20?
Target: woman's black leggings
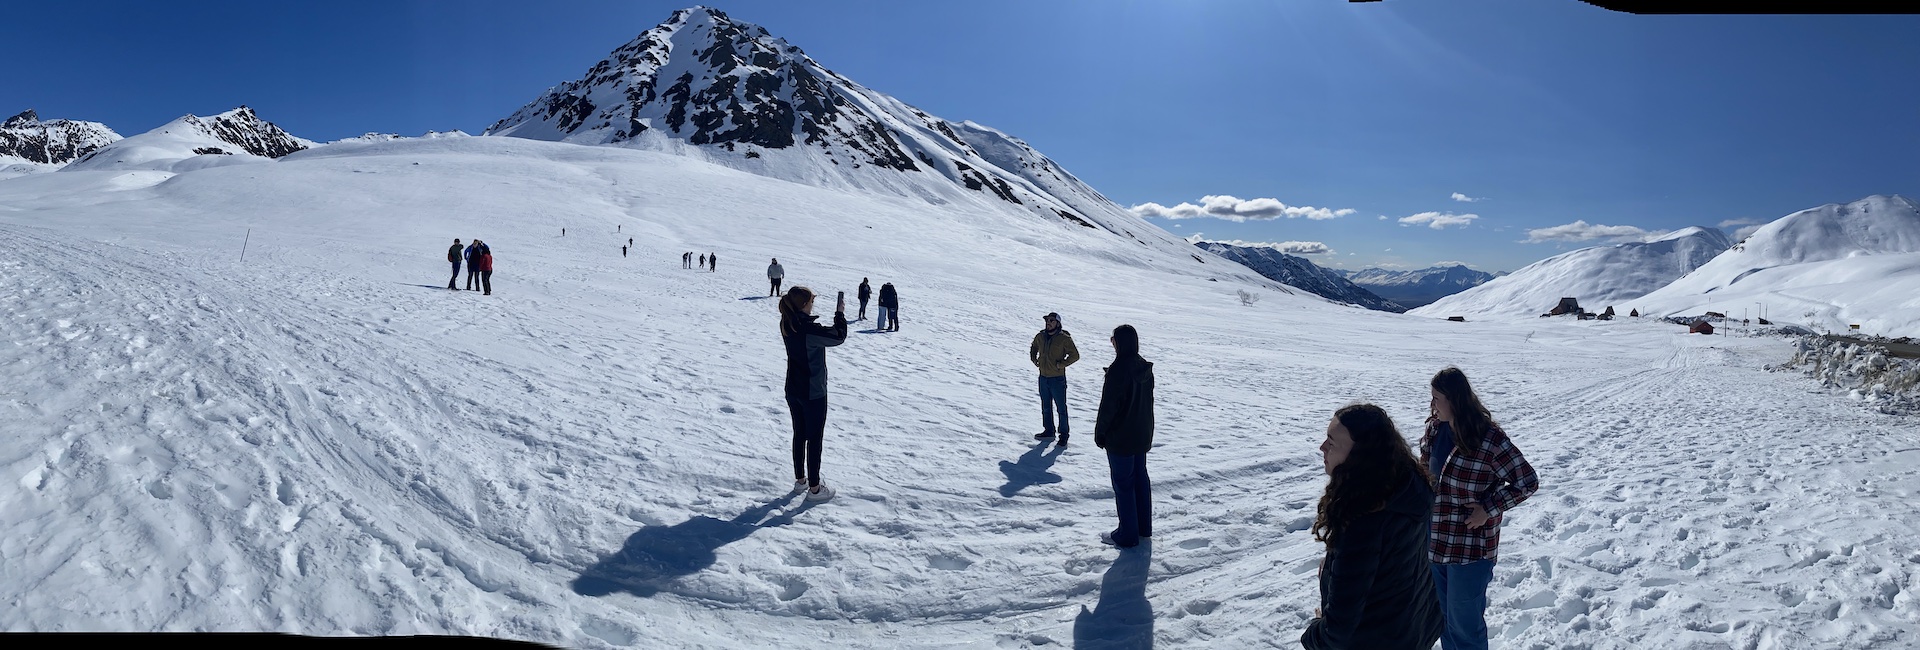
column 809, row 426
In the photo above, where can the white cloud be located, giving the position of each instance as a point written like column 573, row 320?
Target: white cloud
column 1467, row 199
column 1583, row 231
column 1232, row 208
column 1383, row 217
column 1738, row 222
column 1453, row 263
column 1289, row 247
column 1438, row 220
column 1746, row 231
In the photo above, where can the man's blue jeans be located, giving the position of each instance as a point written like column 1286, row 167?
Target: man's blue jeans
column 1053, row 397
column 1462, row 592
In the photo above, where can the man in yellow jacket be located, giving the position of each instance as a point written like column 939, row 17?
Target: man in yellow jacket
column 1052, row 351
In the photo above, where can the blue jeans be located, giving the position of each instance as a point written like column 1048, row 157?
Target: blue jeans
column 1132, row 497
column 1053, row 396
column 880, row 320
column 1462, row 591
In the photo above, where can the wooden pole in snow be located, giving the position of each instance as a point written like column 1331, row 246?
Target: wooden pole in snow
column 243, row 245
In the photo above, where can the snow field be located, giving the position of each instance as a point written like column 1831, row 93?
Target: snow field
column 325, row 440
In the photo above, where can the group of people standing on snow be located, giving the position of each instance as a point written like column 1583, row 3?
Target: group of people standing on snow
column 479, row 259
column 889, row 314
column 707, row 261
column 1411, row 541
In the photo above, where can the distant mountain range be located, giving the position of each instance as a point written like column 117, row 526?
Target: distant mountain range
column 1300, row 273
column 1412, row 289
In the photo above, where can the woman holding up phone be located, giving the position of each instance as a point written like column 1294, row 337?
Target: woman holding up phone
column 806, row 342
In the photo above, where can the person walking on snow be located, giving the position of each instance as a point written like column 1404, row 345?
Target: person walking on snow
column 686, row 260
column 703, row 261
column 1376, row 586
column 889, row 319
column 1124, row 427
column 484, row 258
column 1478, row 476
column 806, row 342
column 473, row 268
column 713, row 262
column 866, row 291
column 453, row 256
column 775, row 273
column 1052, row 351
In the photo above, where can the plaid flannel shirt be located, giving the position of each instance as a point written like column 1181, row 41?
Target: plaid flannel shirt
column 1495, row 475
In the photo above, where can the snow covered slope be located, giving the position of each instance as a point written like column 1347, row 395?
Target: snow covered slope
column 1598, row 276
column 192, row 142
column 322, row 439
column 29, row 145
column 1827, row 267
column 1301, row 273
column 705, row 85
column 1416, row 288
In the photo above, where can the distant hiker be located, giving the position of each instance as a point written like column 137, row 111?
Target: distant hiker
column 703, row 261
column 617, row 228
column 1052, row 351
column 629, row 241
column 866, row 291
column 775, row 273
column 563, row 232
column 1376, row 585
column 1124, row 427
column 686, row 260
column 807, row 341
column 713, row 261
column 889, row 319
column 473, row 265
column 485, row 257
column 453, row 256
column 1478, row 476
column 623, row 251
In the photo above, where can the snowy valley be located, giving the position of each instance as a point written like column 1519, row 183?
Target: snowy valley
column 316, row 436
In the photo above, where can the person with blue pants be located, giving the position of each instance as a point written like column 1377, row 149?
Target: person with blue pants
column 1052, row 351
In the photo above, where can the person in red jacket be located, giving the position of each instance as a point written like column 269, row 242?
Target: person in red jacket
column 485, row 258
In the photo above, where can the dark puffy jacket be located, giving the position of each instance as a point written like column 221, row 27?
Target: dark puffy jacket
column 1125, row 423
column 807, row 342
column 1376, row 585
column 888, row 297
column 472, row 252
column 865, row 292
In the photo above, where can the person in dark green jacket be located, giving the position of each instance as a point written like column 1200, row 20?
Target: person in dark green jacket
column 1376, row 585
column 1124, row 427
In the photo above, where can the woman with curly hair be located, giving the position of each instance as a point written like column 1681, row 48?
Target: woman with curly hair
column 1376, row 586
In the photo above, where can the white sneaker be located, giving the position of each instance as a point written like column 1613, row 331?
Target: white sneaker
column 799, row 485
column 822, row 494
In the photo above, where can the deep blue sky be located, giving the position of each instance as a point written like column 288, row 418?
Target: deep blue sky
column 1552, row 110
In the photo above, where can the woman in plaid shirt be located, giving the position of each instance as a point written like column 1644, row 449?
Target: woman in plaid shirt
column 1478, row 476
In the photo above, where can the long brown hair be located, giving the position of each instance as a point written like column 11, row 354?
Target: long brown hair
column 793, row 308
column 1471, row 421
column 1379, row 464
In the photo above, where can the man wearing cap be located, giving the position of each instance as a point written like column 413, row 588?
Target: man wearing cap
column 1052, row 351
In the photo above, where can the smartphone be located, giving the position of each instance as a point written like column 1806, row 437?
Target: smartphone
column 843, row 296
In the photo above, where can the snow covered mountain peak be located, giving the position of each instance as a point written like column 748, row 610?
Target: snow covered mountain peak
column 24, row 139
column 236, row 135
column 1597, row 276
column 706, row 85
column 24, row 118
